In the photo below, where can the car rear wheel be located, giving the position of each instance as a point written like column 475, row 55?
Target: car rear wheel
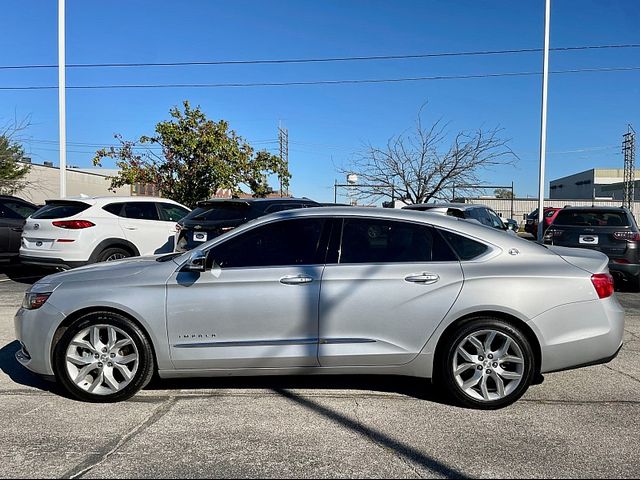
column 113, row 254
column 103, row 357
column 486, row 363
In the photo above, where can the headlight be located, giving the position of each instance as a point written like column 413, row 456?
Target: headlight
column 33, row 301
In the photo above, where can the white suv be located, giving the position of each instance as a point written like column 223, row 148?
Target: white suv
column 77, row 231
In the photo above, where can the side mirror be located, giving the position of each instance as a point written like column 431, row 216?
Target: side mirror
column 197, row 261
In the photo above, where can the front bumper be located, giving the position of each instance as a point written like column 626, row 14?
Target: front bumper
column 35, row 330
column 579, row 334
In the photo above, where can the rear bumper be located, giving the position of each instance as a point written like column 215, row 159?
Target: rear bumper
column 627, row 269
column 51, row 262
column 579, row 334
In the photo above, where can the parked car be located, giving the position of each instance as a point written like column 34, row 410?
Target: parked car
column 531, row 225
column 72, row 232
column 329, row 291
column 610, row 230
column 217, row 216
column 13, row 213
column 480, row 213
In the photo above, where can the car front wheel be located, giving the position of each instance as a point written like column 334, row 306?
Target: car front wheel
column 487, row 364
column 103, row 357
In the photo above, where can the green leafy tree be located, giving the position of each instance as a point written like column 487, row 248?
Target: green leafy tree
column 198, row 157
column 12, row 172
column 503, row 193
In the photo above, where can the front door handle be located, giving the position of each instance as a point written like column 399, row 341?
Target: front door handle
column 131, row 228
column 17, row 229
column 296, row 280
column 423, row 278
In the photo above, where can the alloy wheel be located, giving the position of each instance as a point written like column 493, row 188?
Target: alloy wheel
column 102, row 359
column 488, row 365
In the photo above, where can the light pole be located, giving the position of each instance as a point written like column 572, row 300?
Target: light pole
column 543, row 126
column 61, row 100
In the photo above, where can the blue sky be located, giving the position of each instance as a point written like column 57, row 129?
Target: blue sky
column 588, row 112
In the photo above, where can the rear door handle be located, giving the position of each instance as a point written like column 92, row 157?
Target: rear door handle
column 296, row 280
column 17, row 229
column 131, row 228
column 424, row 278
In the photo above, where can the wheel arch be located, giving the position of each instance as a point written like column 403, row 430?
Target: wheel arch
column 73, row 317
column 113, row 243
column 527, row 331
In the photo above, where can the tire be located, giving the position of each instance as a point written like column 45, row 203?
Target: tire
column 113, row 254
column 488, row 382
column 102, row 358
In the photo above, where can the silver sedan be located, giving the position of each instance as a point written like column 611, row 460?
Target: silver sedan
column 329, row 290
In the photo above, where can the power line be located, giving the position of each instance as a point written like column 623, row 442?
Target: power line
column 324, row 82
column 322, row 60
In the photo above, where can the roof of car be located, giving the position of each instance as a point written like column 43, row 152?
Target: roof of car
column 598, row 207
column 95, row 200
column 248, row 201
column 428, row 206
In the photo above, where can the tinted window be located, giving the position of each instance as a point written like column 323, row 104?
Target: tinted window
column 466, row 248
column 15, row 210
column 384, row 241
column 289, row 242
column 172, row 213
column 141, row 211
column 60, row 210
column 218, row 212
column 115, row 209
column 592, row 218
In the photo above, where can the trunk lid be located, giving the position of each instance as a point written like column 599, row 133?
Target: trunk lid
column 588, row 260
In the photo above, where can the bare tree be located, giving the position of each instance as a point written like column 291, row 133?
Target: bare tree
column 414, row 166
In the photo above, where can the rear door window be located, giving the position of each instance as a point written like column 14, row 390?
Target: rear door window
column 388, row 241
column 55, row 210
column 592, row 218
column 141, row 211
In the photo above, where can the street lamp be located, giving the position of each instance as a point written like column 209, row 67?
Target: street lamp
column 543, row 123
column 61, row 100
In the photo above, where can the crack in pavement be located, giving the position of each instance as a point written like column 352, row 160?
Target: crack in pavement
column 92, row 462
column 622, row 373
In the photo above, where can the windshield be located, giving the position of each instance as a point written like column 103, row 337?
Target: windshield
column 210, row 213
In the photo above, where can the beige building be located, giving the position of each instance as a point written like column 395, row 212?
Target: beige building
column 43, row 182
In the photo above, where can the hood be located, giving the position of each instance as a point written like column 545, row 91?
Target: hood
column 588, row 260
column 120, row 269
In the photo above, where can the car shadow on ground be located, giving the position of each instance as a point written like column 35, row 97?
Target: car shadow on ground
column 20, row 375
column 24, row 273
column 416, row 388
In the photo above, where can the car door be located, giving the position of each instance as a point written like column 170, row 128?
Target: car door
column 12, row 217
column 256, row 306
column 391, row 286
column 141, row 224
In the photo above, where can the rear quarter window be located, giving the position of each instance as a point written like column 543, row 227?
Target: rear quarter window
column 60, row 210
column 465, row 248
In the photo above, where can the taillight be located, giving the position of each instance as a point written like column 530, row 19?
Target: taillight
column 603, row 283
column 627, row 235
column 74, row 224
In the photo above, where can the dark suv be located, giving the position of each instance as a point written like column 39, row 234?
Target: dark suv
column 217, row 216
column 13, row 214
column 610, row 230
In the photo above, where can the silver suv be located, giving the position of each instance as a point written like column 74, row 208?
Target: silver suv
column 329, row 290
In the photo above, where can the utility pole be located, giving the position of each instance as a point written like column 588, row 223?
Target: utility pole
column 629, row 152
column 62, row 113
column 283, row 140
column 543, row 122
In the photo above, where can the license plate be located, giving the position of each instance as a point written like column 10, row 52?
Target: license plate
column 199, row 236
column 588, row 239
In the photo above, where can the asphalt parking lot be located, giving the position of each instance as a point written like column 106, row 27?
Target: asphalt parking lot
column 581, row 423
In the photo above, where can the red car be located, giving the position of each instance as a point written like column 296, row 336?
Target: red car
column 532, row 220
